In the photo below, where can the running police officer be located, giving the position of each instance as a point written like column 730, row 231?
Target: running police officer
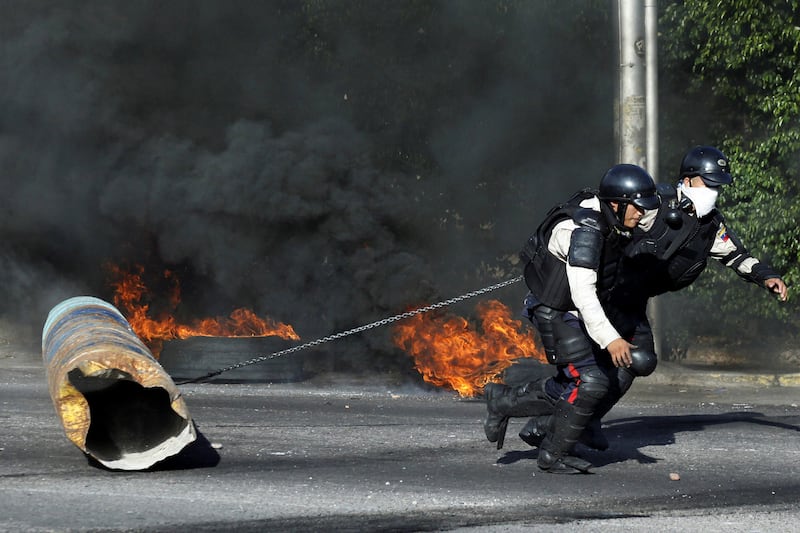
column 572, row 268
column 686, row 231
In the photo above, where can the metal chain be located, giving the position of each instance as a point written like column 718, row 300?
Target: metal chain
column 329, row 338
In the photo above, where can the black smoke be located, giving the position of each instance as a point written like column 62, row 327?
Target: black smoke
column 325, row 163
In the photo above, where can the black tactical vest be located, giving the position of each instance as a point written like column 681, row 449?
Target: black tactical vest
column 669, row 257
column 546, row 274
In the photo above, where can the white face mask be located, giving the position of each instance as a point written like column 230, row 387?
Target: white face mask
column 703, row 198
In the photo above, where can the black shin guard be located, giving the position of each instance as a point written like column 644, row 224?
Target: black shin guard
column 593, row 436
column 569, row 422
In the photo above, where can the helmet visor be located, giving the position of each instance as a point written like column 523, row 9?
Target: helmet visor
column 646, row 200
column 716, row 179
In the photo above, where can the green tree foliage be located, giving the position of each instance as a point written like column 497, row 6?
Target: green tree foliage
column 741, row 60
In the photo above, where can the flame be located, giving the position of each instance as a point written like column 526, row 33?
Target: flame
column 131, row 294
column 449, row 352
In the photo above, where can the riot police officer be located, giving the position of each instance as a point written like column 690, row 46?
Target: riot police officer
column 572, row 267
column 685, row 232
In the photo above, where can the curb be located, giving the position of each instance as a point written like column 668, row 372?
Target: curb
column 673, row 374
column 789, row 380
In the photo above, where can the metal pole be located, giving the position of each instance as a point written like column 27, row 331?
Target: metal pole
column 636, row 106
column 651, row 84
column 630, row 105
column 651, row 72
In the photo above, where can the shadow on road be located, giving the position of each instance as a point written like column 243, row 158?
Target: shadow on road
column 628, row 435
column 198, row 454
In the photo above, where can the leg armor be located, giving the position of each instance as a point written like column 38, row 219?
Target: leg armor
column 644, row 355
column 570, row 418
column 644, row 360
column 644, row 363
column 564, row 342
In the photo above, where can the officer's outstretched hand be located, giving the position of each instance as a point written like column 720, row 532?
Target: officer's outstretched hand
column 620, row 351
column 777, row 286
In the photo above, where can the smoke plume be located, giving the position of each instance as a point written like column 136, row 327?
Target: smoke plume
column 323, row 163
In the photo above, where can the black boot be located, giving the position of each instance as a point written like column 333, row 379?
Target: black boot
column 536, row 429
column 568, row 423
column 503, row 402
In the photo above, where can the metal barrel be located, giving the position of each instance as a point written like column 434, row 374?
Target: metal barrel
column 115, row 401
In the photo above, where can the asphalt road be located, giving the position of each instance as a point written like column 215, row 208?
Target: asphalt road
column 348, row 456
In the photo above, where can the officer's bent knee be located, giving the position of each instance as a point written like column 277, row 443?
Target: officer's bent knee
column 594, row 383
column 644, row 362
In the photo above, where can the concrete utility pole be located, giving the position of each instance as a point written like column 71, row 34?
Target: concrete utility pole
column 630, row 104
column 651, row 83
column 636, row 102
column 651, row 88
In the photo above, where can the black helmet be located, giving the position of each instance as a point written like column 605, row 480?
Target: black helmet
column 629, row 184
column 708, row 163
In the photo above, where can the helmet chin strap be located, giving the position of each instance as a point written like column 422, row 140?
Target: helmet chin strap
column 621, row 208
column 619, row 216
column 621, row 228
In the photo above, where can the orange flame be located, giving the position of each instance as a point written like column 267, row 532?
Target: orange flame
column 449, row 352
column 131, row 292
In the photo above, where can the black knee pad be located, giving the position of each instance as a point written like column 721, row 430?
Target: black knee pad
column 594, row 382
column 593, row 388
column 644, row 355
column 644, row 362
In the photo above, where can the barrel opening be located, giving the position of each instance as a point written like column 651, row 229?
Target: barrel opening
column 125, row 417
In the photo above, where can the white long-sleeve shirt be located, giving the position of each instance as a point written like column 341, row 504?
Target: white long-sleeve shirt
column 583, row 282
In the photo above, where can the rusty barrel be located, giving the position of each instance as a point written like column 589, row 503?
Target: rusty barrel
column 115, row 401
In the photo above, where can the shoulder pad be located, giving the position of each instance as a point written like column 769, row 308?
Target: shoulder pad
column 588, row 218
column 667, row 192
column 585, row 248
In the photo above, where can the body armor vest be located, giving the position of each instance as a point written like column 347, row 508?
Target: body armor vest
column 672, row 254
column 546, row 275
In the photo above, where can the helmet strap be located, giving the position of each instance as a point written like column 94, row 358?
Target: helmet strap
column 616, row 214
column 621, row 208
